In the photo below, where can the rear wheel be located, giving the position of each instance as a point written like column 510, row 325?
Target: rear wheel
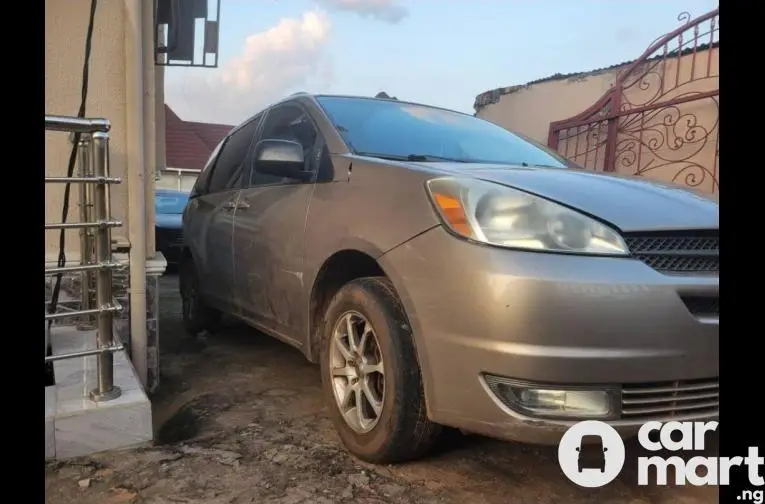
column 197, row 315
column 371, row 376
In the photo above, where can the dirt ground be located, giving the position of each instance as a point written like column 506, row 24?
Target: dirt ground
column 240, row 419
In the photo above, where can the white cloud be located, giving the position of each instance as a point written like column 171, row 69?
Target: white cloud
column 271, row 65
column 389, row 11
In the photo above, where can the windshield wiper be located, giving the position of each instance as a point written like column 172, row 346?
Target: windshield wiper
column 429, row 157
column 532, row 165
column 411, row 157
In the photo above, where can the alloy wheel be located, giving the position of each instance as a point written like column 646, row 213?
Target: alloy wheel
column 357, row 371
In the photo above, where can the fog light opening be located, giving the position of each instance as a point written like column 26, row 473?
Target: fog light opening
column 546, row 401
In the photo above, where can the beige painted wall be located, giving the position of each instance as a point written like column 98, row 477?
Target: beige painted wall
column 530, row 109
column 66, row 24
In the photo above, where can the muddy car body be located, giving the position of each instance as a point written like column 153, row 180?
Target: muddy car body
column 445, row 272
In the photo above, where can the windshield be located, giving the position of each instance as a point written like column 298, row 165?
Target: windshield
column 401, row 130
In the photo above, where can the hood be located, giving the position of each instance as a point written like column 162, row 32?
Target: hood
column 629, row 203
column 170, row 202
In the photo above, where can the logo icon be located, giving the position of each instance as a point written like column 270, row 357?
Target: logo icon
column 591, row 453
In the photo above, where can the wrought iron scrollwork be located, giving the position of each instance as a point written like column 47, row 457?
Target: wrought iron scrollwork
column 663, row 110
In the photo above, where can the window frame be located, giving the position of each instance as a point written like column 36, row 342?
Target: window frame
column 235, row 181
column 202, row 183
column 245, row 182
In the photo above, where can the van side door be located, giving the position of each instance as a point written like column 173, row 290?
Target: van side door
column 269, row 229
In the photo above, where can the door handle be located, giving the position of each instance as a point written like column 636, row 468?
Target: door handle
column 242, row 205
column 229, row 205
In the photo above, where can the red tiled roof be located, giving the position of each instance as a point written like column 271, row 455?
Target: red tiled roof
column 189, row 144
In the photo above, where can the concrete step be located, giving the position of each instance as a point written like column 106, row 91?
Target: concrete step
column 77, row 426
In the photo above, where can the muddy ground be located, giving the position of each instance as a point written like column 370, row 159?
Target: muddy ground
column 240, row 419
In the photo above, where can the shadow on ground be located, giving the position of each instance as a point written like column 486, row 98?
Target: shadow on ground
column 240, row 419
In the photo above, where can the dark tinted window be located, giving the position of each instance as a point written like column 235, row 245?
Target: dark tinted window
column 290, row 122
column 399, row 129
column 228, row 166
column 204, row 176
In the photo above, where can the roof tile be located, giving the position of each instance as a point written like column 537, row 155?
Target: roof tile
column 189, row 144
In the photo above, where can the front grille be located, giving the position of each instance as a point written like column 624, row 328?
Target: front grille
column 703, row 306
column 169, row 238
column 677, row 251
column 667, row 400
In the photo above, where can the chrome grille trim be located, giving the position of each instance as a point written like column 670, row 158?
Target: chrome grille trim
column 667, row 400
column 677, row 251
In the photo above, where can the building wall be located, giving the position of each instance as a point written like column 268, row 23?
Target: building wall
column 66, row 25
column 530, row 109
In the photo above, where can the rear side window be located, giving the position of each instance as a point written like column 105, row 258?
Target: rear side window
column 204, row 176
column 228, row 165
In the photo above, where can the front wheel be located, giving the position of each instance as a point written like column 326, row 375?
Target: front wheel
column 197, row 315
column 371, row 376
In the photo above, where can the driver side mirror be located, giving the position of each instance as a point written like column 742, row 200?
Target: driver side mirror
column 281, row 158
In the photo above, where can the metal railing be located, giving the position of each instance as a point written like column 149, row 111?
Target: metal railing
column 96, row 264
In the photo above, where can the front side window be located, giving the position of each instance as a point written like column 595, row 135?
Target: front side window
column 400, row 130
column 288, row 122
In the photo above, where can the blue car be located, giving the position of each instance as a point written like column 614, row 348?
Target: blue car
column 168, row 228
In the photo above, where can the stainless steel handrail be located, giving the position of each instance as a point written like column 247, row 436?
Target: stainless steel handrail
column 85, row 353
column 96, row 265
column 81, row 225
column 78, row 313
column 75, row 180
column 81, row 267
column 76, row 124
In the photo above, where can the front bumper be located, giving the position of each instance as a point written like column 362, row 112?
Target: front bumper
column 549, row 319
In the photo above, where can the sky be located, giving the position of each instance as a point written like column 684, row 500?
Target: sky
column 438, row 52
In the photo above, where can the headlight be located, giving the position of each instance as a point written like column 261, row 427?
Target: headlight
column 498, row 215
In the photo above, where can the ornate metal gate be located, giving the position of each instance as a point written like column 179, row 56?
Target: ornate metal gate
column 660, row 119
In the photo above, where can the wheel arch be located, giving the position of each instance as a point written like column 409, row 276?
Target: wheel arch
column 347, row 265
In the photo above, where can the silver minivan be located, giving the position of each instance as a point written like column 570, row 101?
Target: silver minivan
column 444, row 271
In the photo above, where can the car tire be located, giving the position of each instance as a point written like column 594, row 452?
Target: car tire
column 402, row 430
column 198, row 317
